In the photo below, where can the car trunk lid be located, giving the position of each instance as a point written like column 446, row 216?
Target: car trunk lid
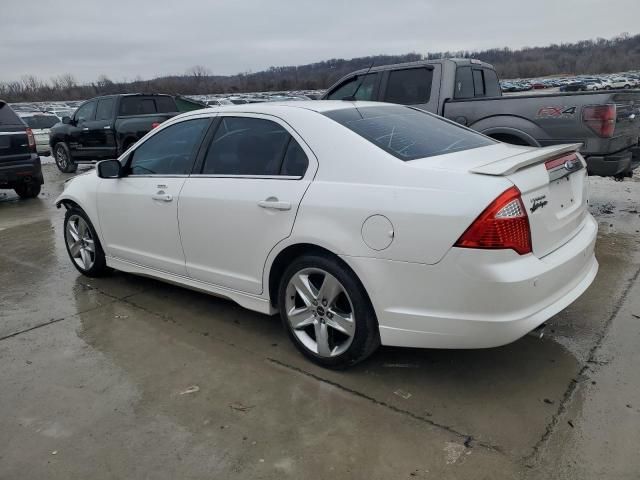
column 552, row 181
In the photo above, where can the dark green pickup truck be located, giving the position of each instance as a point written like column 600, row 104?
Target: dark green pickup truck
column 104, row 127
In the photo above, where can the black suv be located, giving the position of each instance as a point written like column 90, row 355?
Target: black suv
column 20, row 167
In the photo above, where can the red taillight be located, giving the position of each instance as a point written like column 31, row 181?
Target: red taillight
column 601, row 119
column 503, row 224
column 31, row 139
column 154, row 125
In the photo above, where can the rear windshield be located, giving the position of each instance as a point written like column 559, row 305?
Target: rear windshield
column 136, row 105
column 41, row 121
column 408, row 133
column 7, row 116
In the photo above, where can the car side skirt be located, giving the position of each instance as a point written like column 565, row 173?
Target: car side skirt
column 251, row 302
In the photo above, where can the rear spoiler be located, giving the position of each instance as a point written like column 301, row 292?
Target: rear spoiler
column 529, row 156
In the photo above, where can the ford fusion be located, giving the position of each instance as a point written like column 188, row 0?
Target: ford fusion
column 360, row 223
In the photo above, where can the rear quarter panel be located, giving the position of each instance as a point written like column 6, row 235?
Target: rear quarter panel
column 428, row 208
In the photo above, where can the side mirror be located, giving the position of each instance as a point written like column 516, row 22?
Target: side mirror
column 66, row 120
column 109, row 169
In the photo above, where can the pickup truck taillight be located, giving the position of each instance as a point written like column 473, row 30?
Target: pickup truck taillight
column 155, row 125
column 31, row 139
column 601, row 119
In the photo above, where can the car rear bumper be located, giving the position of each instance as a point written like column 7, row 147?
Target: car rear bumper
column 17, row 171
column 476, row 298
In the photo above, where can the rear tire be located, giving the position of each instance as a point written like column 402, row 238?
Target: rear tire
column 63, row 158
column 28, row 190
column 326, row 312
column 83, row 244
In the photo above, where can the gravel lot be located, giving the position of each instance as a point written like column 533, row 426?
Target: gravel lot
column 127, row 377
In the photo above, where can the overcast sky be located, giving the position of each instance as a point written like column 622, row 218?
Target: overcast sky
column 124, row 39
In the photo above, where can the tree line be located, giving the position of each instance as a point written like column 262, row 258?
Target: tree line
column 589, row 56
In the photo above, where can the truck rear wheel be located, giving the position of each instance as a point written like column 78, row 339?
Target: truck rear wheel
column 63, row 158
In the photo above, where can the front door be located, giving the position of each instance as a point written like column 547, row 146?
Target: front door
column 139, row 212
column 243, row 201
column 98, row 137
column 78, row 129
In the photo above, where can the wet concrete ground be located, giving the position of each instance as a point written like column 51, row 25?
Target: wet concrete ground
column 127, row 377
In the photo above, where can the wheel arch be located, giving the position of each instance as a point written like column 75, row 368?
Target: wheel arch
column 290, row 252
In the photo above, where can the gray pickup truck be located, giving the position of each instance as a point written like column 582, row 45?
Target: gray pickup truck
column 607, row 124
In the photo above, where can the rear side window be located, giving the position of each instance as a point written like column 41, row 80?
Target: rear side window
column 105, row 109
column 166, row 105
column 170, row 151
column 478, row 83
column 464, row 83
column 253, row 146
column 295, row 160
column 408, row 133
column 137, row 106
column 491, row 84
column 347, row 89
column 410, row 86
column 7, row 116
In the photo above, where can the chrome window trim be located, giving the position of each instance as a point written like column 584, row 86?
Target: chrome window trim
column 156, row 175
column 263, row 177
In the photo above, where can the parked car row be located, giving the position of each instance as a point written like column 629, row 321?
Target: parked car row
column 580, row 83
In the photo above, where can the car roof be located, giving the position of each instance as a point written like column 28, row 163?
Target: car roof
column 319, row 106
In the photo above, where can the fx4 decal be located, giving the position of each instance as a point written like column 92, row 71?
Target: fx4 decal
column 556, row 112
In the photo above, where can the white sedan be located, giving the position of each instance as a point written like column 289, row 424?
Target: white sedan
column 360, row 223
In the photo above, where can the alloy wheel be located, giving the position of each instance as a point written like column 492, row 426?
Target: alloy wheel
column 80, row 242
column 320, row 312
column 61, row 158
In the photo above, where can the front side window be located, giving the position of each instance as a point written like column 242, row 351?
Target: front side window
column 410, row 87
column 347, row 89
column 86, row 112
column 408, row 133
column 252, row 146
column 170, row 151
column 105, row 109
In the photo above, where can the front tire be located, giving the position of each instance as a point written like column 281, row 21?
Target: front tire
column 326, row 312
column 83, row 245
column 28, row 190
column 63, row 158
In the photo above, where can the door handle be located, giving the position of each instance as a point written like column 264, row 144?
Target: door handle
column 273, row 203
column 107, row 127
column 162, row 197
column 85, row 129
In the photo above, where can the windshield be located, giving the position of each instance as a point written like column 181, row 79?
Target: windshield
column 408, row 133
column 41, row 121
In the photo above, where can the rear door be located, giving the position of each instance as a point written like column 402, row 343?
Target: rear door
column 98, row 138
column 243, row 200
column 14, row 144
